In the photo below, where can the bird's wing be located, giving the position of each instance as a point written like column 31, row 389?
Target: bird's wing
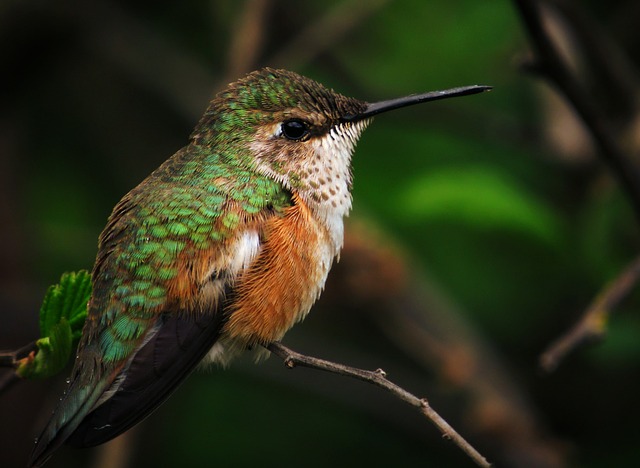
column 175, row 347
column 163, row 273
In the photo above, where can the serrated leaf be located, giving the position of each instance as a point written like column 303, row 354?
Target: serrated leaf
column 53, row 353
column 62, row 316
column 50, row 310
column 67, row 299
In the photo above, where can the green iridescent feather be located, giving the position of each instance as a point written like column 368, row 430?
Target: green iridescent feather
column 177, row 211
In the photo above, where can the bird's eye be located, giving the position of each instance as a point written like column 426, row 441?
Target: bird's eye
column 295, row 129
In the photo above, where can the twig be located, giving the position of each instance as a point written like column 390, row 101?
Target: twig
column 551, row 65
column 619, row 76
column 11, row 360
column 592, row 325
column 7, row 360
column 247, row 38
column 292, row 359
column 324, row 32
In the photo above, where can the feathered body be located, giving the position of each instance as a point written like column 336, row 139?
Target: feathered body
column 225, row 246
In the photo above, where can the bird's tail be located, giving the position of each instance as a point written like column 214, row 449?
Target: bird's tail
column 77, row 401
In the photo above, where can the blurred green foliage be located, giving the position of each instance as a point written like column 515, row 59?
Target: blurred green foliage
column 481, row 198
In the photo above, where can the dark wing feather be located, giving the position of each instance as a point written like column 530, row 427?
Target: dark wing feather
column 153, row 374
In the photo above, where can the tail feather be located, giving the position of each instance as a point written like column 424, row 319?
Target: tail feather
column 73, row 407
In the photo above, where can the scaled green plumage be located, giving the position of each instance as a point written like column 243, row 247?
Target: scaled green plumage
column 177, row 211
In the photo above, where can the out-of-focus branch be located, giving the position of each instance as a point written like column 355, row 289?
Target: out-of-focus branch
column 11, row 359
column 550, row 64
column 325, row 32
column 249, row 35
column 592, row 325
column 292, row 359
column 619, row 75
column 616, row 72
column 133, row 48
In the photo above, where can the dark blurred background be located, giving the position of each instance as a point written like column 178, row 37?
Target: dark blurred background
column 482, row 227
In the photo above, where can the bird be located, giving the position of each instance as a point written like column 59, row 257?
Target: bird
column 222, row 248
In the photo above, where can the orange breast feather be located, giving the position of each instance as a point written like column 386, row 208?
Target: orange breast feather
column 284, row 281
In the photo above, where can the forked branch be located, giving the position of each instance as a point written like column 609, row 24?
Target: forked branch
column 592, row 325
column 12, row 358
column 378, row 378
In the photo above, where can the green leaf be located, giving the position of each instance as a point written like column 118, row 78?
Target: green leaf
column 62, row 316
column 68, row 299
column 53, row 353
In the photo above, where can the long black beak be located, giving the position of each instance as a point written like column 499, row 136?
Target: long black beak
column 384, row 106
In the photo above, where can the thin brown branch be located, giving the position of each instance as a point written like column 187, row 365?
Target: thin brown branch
column 324, row 32
column 592, row 325
column 551, row 65
column 378, row 378
column 7, row 360
column 12, row 358
column 249, row 36
column 618, row 73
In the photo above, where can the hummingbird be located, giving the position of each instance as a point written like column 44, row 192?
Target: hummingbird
column 223, row 248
